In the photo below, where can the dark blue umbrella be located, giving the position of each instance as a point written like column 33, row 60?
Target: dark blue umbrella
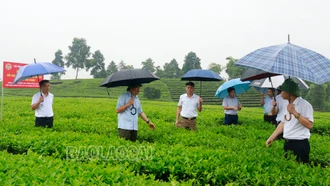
column 290, row 60
column 201, row 75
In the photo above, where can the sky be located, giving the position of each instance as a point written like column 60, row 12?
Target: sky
column 135, row 30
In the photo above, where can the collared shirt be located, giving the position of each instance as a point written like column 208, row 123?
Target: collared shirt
column 126, row 120
column 268, row 106
column 293, row 129
column 230, row 102
column 281, row 105
column 189, row 105
column 45, row 108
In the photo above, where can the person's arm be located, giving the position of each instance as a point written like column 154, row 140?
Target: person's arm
column 230, row 108
column 145, row 119
column 262, row 101
column 200, row 104
column 274, row 109
column 125, row 106
column 302, row 119
column 178, row 111
column 36, row 105
column 278, row 131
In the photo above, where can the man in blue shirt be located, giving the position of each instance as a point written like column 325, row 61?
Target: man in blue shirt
column 128, row 108
column 267, row 103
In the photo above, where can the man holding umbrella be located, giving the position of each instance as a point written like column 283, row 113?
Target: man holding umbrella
column 128, row 109
column 42, row 103
column 296, row 130
column 187, row 106
column 268, row 105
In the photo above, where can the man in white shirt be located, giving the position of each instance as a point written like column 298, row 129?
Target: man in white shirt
column 42, row 103
column 187, row 106
column 267, row 104
column 231, row 105
column 128, row 109
column 298, row 120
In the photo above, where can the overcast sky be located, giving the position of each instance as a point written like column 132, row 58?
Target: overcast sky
column 134, row 30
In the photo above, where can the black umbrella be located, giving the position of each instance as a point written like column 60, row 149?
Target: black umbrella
column 127, row 77
column 201, row 75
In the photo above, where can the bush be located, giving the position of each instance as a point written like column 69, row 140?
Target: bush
column 151, row 93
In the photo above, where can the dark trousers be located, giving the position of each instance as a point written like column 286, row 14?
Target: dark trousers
column 300, row 149
column 44, row 122
column 128, row 134
column 231, row 119
column 270, row 119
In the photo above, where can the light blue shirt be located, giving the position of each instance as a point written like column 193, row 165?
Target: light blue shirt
column 268, row 106
column 126, row 120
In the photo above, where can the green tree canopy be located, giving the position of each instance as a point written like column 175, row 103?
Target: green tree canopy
column 79, row 54
column 112, row 68
column 159, row 72
column 149, row 65
column 172, row 70
column 122, row 66
column 215, row 67
column 233, row 70
column 59, row 62
column 191, row 61
column 97, row 65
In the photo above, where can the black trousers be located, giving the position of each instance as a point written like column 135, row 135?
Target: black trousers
column 300, row 149
column 128, row 134
column 44, row 122
column 270, row 119
column 231, row 119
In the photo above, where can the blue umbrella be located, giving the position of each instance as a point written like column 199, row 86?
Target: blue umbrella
column 290, row 60
column 239, row 86
column 201, row 75
column 36, row 69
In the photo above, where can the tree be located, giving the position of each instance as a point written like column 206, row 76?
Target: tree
column 79, row 54
column 148, row 65
column 172, row 70
column 59, row 62
column 232, row 70
column 97, row 65
column 215, row 67
column 191, row 62
column 112, row 68
column 317, row 95
column 122, row 66
column 159, row 72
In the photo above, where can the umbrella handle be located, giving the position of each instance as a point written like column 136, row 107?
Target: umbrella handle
column 286, row 118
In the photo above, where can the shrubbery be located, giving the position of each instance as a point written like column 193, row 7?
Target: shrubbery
column 151, row 93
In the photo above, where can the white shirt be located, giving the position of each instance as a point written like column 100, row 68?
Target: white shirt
column 281, row 105
column 230, row 102
column 189, row 105
column 45, row 108
column 268, row 104
column 293, row 129
column 126, row 120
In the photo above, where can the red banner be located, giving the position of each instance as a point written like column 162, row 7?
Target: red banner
column 10, row 70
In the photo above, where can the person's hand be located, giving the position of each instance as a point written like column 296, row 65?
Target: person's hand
column 274, row 103
column 262, row 95
column 291, row 109
column 239, row 106
column 131, row 101
column 41, row 99
column 176, row 123
column 269, row 141
column 270, row 114
column 200, row 100
column 152, row 126
column 235, row 108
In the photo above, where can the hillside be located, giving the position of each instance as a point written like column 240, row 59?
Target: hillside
column 171, row 89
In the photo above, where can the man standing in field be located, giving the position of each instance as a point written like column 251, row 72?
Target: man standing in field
column 187, row 106
column 231, row 105
column 128, row 108
column 296, row 130
column 42, row 103
column 267, row 104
